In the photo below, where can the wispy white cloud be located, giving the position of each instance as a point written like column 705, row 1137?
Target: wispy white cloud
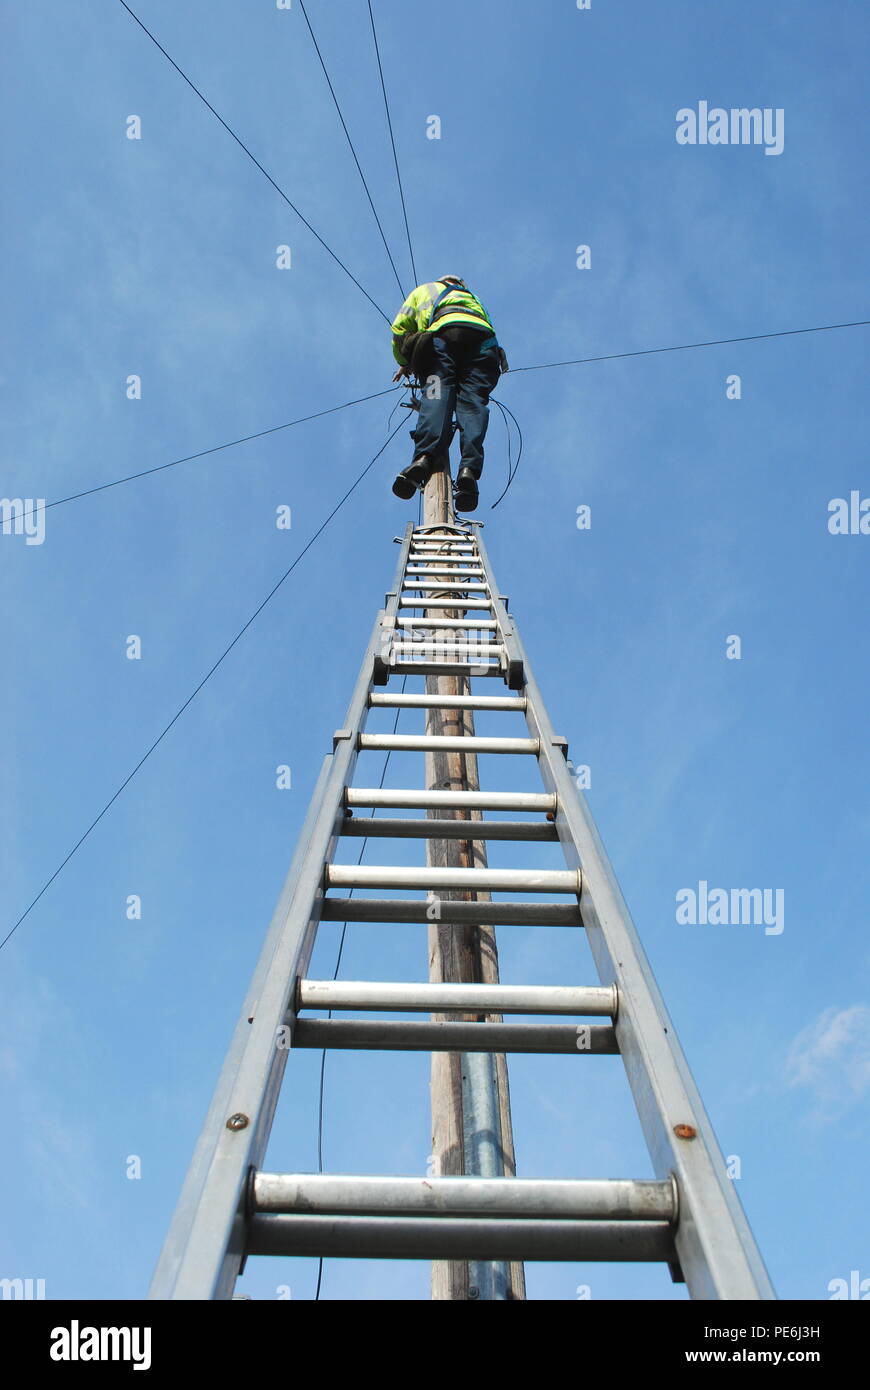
column 830, row 1058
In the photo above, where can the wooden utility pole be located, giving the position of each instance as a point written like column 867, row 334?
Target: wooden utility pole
column 469, row 1134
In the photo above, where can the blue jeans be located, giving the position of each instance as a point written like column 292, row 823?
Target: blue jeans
column 461, row 378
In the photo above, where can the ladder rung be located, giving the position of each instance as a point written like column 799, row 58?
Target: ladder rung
column 479, row 624
column 454, row 567
column 469, row 605
column 503, row 702
column 456, row 1237
column 440, row 573
column 442, row 543
column 419, row 997
column 427, row 567
column 580, row 1199
column 450, row 912
column 418, row 585
column 437, row 828
column 448, row 743
column 471, row 669
column 447, row 646
column 458, row 550
column 466, row 880
column 412, row 799
column 378, row 1035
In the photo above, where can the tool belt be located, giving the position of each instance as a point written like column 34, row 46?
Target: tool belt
column 417, row 350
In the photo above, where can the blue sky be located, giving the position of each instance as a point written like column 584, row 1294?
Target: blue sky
column 156, row 257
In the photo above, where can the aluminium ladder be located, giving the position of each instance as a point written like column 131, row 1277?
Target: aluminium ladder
column 689, row 1216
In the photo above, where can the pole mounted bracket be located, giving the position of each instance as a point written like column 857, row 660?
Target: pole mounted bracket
column 515, row 674
column 381, row 663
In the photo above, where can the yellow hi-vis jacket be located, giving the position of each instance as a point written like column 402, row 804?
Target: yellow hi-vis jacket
column 415, row 315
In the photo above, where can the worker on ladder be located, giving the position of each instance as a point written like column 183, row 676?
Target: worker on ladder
column 443, row 335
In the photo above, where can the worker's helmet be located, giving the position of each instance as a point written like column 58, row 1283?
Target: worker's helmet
column 451, row 280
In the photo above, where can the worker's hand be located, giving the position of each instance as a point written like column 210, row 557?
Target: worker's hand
column 403, row 371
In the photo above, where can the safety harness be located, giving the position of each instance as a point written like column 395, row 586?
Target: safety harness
column 438, row 310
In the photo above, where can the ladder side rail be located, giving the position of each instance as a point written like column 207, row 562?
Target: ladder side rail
column 401, row 566
column 181, row 1247
column 205, row 1248
column 382, row 663
column 506, row 627
column 718, row 1255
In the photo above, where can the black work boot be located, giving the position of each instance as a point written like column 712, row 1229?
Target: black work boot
column 465, row 499
column 415, row 476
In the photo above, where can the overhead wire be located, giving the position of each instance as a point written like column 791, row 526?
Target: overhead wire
column 534, row 367
column 215, row 449
column 359, row 400
column 508, row 439
column 646, row 352
column 180, row 711
column 254, row 160
column 345, row 405
column 352, row 149
column 685, row 347
column 174, row 463
column 392, row 141
column 512, row 470
column 395, row 408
